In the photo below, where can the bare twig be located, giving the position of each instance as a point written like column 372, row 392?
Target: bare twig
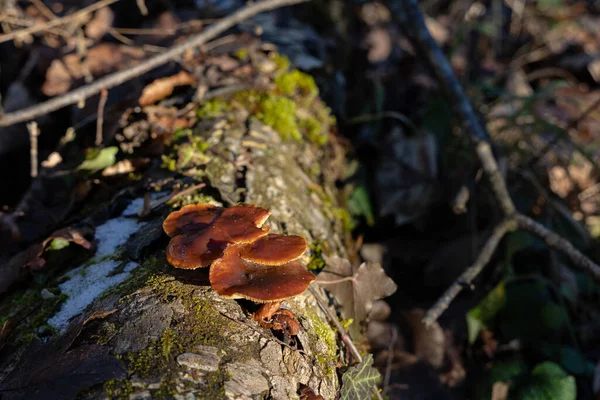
column 34, row 132
column 100, row 120
column 559, row 243
column 344, row 335
column 55, row 22
column 117, row 78
column 467, row 277
column 412, row 18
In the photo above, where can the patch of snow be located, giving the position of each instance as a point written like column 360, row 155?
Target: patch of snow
column 114, row 233
column 136, row 205
column 88, row 281
column 133, row 208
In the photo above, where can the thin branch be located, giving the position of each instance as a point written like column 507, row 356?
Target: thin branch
column 34, row 132
column 120, row 77
column 100, row 120
column 55, row 22
column 467, row 277
column 560, row 244
column 490, row 166
column 409, row 12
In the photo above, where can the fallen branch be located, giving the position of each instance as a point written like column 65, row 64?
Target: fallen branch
column 117, row 78
column 410, row 16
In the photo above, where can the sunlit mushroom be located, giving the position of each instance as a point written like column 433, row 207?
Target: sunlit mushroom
column 201, row 232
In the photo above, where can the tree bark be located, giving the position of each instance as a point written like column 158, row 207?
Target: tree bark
column 164, row 333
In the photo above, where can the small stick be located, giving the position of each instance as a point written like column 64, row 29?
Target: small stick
column 55, row 22
column 100, row 120
column 34, row 132
column 120, row 77
column 560, row 244
column 470, row 273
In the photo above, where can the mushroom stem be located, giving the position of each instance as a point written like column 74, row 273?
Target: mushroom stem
column 264, row 315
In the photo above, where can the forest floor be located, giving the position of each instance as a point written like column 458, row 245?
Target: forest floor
column 416, row 198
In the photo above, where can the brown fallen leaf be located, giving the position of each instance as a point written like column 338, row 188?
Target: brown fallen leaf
column 163, row 87
column 36, row 251
column 101, row 59
column 355, row 291
column 100, row 23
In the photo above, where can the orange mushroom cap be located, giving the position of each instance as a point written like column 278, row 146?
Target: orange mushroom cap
column 274, row 249
column 233, row 277
column 191, row 217
column 201, row 233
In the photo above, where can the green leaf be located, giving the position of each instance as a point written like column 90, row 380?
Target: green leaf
column 502, row 371
column 486, row 311
column 474, row 326
column 574, row 361
column 548, row 382
column 105, row 158
column 360, row 205
column 58, row 244
column 358, row 382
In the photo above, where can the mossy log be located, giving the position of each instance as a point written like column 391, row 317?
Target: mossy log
column 164, row 333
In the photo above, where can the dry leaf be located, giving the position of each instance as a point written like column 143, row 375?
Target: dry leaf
column 163, row 87
column 100, row 24
column 100, row 60
column 356, row 294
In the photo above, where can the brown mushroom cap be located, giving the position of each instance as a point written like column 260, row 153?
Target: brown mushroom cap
column 241, row 222
column 233, row 277
column 196, row 245
column 274, row 249
column 191, row 217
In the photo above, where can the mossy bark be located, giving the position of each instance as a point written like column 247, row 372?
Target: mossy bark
column 175, row 337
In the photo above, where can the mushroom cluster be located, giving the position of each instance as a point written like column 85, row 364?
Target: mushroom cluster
column 245, row 260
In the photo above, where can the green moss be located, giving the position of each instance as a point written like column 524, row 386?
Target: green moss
column 338, row 213
column 283, row 63
column 241, row 54
column 314, row 131
column 316, row 262
column 32, row 311
column 280, row 114
column 118, row 389
column 213, row 108
column 323, row 331
column 105, row 332
column 297, row 83
column 342, row 215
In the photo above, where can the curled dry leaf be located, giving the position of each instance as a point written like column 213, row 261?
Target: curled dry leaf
column 358, row 291
column 163, row 87
column 59, row 239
